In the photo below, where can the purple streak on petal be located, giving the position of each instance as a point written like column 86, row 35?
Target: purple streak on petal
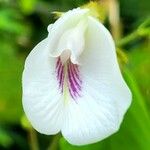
column 74, row 87
column 77, row 72
column 60, row 73
column 58, row 63
column 72, row 78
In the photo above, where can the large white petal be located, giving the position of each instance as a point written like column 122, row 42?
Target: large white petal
column 91, row 118
column 99, row 63
column 42, row 102
column 105, row 96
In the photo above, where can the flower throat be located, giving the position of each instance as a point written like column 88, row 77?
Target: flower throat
column 68, row 77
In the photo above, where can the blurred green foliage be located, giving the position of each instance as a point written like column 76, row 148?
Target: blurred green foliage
column 23, row 24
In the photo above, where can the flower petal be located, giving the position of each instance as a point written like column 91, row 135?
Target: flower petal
column 42, row 102
column 99, row 62
column 105, row 96
column 65, row 23
column 73, row 40
column 90, row 119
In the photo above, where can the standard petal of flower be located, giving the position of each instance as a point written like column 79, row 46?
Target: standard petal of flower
column 42, row 101
column 105, row 97
column 99, row 63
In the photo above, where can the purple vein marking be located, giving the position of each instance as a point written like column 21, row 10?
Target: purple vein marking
column 71, row 83
column 60, row 73
column 72, row 78
column 75, row 85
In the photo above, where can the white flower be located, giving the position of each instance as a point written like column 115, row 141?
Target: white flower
column 72, row 82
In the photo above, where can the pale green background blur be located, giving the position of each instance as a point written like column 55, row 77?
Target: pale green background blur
column 23, row 23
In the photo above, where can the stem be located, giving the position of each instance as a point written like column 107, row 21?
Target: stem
column 114, row 18
column 142, row 31
column 139, row 33
column 54, row 144
column 33, row 142
column 128, row 39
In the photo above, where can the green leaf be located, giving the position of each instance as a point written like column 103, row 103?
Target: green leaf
column 5, row 139
column 11, row 67
column 10, row 21
column 28, row 6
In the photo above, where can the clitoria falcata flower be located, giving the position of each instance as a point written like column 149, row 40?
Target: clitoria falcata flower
column 72, row 82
